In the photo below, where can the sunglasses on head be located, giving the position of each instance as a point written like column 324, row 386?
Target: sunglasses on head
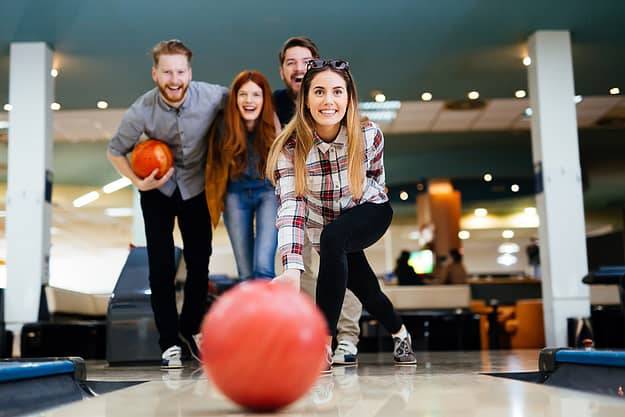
column 337, row 64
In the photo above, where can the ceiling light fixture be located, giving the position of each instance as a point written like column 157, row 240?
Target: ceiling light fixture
column 578, row 99
column 514, row 188
column 7, row 107
column 527, row 61
column 488, row 177
column 427, row 96
column 615, row 91
column 83, row 200
column 480, row 212
column 55, row 106
column 507, row 234
column 473, row 95
column 54, row 72
column 379, row 98
column 520, row 93
column 464, row 234
column 530, row 211
column 403, row 196
column 102, row 104
column 116, row 185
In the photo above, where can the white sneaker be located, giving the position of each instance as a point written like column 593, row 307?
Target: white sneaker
column 346, row 353
column 171, row 358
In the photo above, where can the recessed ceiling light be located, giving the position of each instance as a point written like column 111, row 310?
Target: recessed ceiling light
column 54, row 72
column 102, row 104
column 578, row 99
column 527, row 61
column 520, row 93
column 55, row 106
column 507, row 234
column 464, row 234
column 488, row 177
column 615, row 91
column 7, row 107
column 514, row 188
column 480, row 212
column 427, row 96
column 380, row 98
column 403, row 196
column 529, row 210
column 473, row 95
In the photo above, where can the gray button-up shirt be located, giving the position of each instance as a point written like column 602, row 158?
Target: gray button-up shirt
column 184, row 130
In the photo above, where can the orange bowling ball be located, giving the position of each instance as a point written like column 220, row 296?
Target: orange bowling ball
column 149, row 155
column 263, row 345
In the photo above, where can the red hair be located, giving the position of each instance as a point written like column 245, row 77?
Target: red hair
column 235, row 141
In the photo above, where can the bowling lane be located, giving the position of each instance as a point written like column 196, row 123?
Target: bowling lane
column 445, row 384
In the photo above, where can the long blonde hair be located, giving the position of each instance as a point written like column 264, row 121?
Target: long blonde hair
column 301, row 127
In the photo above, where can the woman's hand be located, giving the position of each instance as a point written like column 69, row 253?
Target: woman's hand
column 290, row 277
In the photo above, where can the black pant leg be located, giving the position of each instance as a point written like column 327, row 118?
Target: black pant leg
column 159, row 212
column 195, row 227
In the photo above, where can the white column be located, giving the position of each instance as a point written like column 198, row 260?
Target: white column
column 559, row 196
column 29, row 185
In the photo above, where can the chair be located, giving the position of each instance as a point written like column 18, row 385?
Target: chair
column 526, row 328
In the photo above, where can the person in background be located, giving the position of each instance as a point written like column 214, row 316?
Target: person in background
column 456, row 273
column 179, row 112
column 293, row 57
column 235, row 175
column 405, row 273
column 329, row 174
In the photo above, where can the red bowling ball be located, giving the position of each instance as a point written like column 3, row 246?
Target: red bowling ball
column 149, row 155
column 263, row 345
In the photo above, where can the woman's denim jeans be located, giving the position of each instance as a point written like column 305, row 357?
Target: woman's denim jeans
column 254, row 251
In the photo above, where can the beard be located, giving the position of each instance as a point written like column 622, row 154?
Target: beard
column 173, row 97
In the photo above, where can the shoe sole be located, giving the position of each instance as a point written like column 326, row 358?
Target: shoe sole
column 346, row 363
column 326, row 371
column 168, row 367
column 405, row 363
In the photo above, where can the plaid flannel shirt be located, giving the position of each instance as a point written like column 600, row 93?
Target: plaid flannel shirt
column 328, row 193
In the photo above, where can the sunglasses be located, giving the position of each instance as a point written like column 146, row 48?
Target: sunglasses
column 337, row 64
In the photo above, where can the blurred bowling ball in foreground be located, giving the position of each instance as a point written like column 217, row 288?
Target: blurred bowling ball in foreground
column 149, row 155
column 263, row 344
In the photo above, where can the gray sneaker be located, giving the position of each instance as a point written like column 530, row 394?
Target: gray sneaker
column 403, row 352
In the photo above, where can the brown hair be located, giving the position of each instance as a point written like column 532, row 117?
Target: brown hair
column 302, row 128
column 235, row 138
column 302, row 41
column 170, row 47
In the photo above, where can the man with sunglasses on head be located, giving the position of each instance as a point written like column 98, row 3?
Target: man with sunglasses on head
column 294, row 57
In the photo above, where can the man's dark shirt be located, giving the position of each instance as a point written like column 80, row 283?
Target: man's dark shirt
column 285, row 105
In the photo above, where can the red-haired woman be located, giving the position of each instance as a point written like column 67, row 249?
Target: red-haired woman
column 235, row 175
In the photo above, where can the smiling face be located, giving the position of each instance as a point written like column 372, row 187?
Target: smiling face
column 250, row 103
column 172, row 76
column 327, row 100
column 293, row 68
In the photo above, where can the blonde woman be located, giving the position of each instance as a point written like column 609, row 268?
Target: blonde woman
column 329, row 176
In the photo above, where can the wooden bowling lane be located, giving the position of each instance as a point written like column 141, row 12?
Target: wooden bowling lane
column 445, row 384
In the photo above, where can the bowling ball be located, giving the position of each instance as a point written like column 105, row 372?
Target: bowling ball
column 149, row 155
column 263, row 345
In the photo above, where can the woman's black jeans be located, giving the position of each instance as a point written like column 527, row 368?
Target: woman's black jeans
column 342, row 264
